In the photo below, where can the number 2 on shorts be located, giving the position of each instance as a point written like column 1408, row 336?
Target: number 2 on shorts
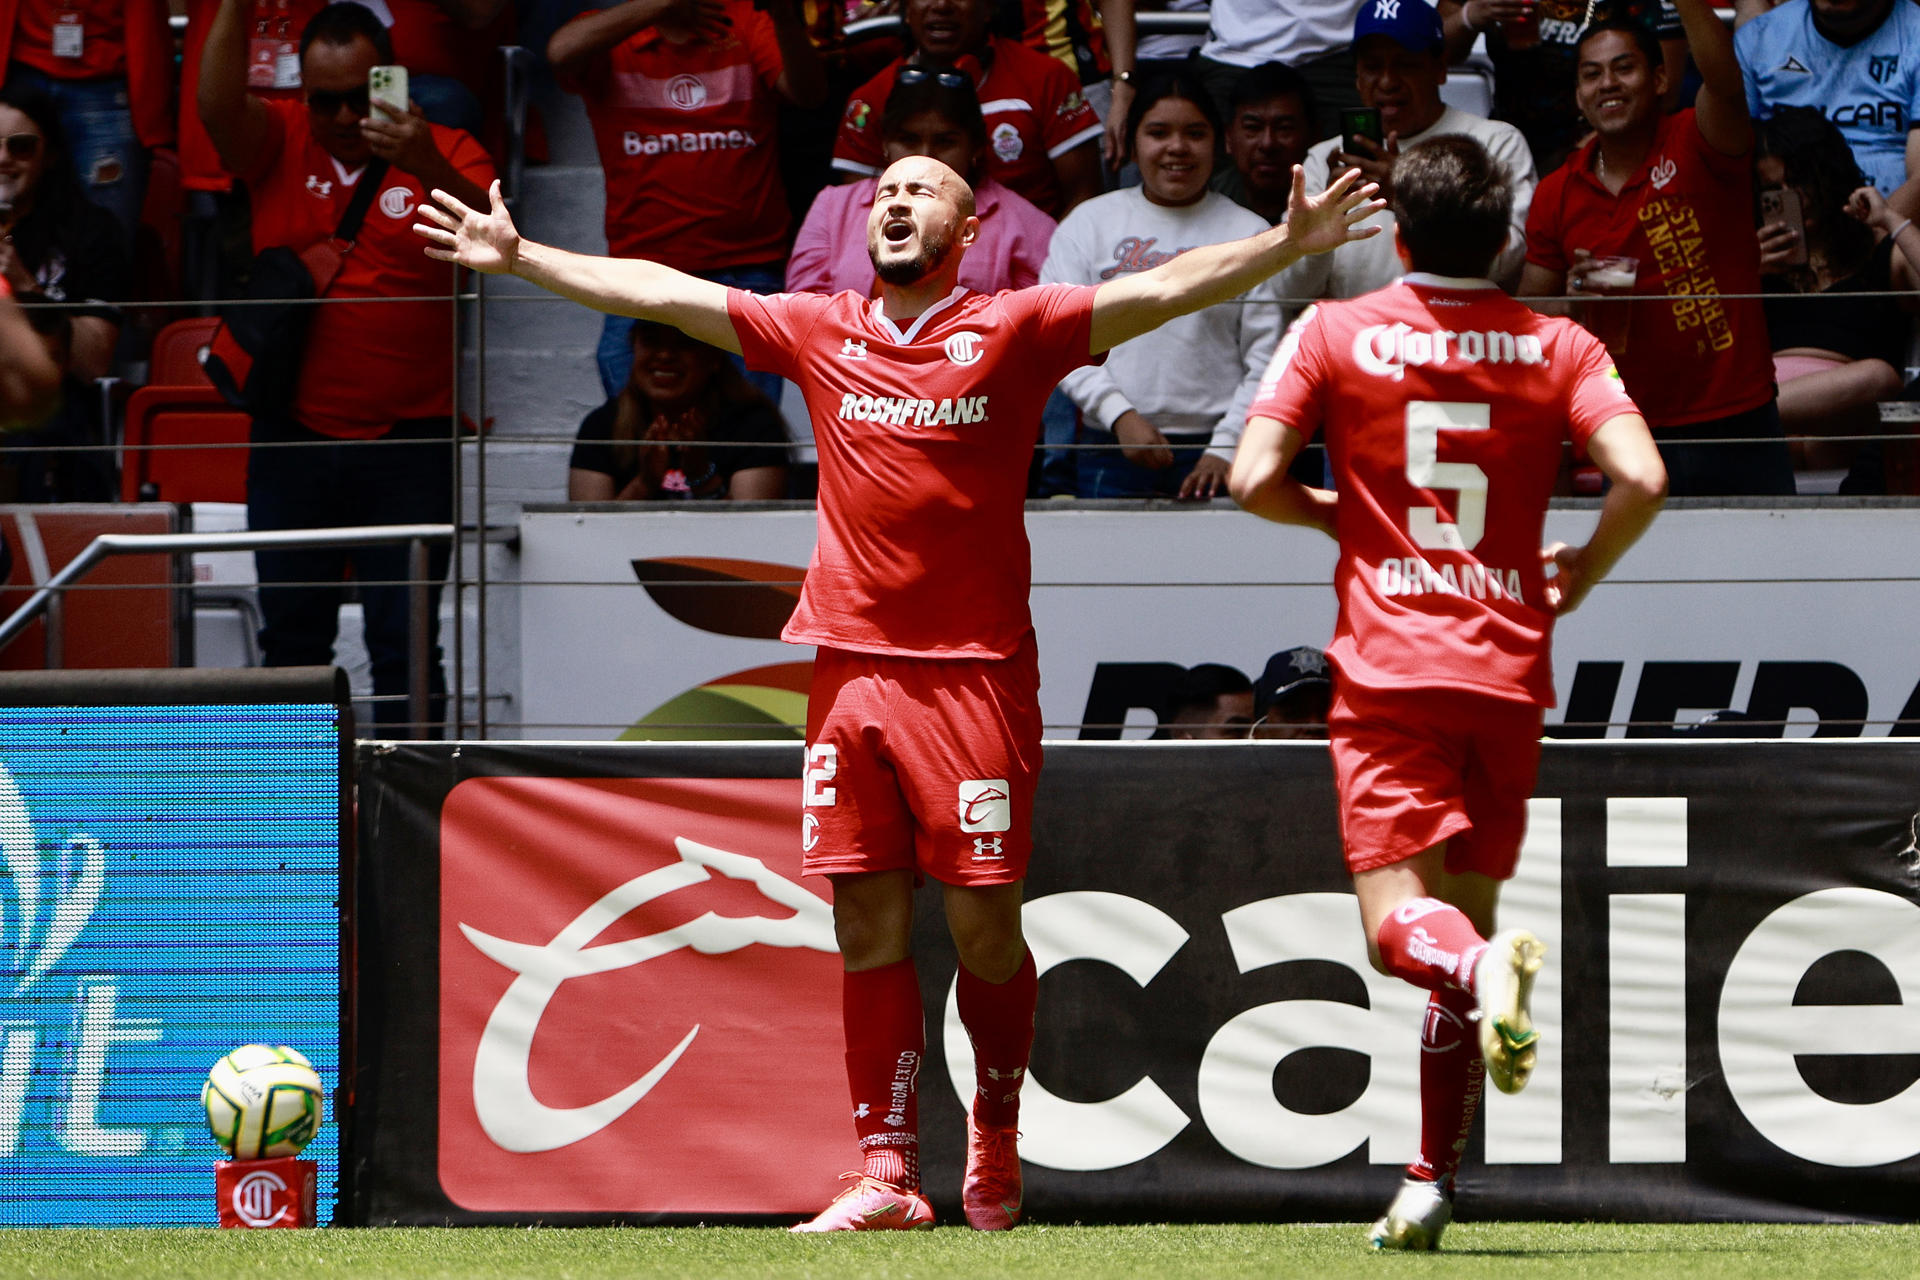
column 823, row 761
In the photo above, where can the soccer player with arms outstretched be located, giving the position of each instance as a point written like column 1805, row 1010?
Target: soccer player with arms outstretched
column 1444, row 404
column 923, row 721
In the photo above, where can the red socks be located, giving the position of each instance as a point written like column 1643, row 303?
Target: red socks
column 886, row 1043
column 1431, row 944
column 999, row 1021
column 1451, row 1078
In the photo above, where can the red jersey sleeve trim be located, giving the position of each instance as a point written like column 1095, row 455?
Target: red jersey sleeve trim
column 1087, row 134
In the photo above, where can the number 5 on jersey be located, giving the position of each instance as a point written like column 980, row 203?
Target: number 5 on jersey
column 1426, row 419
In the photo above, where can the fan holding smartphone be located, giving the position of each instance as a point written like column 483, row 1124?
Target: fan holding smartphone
column 1831, row 249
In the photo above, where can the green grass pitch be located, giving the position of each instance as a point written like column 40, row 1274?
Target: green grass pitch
column 1314, row 1252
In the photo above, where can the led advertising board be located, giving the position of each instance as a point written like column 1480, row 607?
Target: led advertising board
column 172, row 889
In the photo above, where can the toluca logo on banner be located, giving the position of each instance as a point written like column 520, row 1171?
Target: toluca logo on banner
column 639, row 1000
column 266, row 1193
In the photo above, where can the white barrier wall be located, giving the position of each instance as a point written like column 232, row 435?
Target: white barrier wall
column 1807, row 614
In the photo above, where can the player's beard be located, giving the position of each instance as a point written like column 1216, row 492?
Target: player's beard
column 935, row 247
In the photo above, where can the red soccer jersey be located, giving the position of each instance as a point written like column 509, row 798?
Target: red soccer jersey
column 367, row 367
column 1687, row 215
column 273, row 71
column 1034, row 111
column 73, row 39
column 1444, row 409
column 687, row 138
column 925, row 437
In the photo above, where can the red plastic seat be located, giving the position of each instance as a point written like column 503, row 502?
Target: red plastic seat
column 175, row 361
column 164, row 416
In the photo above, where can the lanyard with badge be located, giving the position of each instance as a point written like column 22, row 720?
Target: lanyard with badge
column 273, row 50
column 69, row 31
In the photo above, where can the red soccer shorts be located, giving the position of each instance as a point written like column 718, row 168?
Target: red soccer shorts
column 926, row 763
column 1418, row 766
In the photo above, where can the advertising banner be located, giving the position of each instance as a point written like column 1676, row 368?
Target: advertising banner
column 665, row 624
column 596, row 988
column 172, row 890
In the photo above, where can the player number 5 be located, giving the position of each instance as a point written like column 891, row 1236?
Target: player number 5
column 823, row 761
column 1426, row 419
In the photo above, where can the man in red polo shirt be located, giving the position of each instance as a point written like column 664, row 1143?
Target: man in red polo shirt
column 1043, row 139
column 381, row 371
column 923, row 721
column 1675, row 193
column 684, row 96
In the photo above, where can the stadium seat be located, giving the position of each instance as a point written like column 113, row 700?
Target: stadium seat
column 178, row 350
column 172, row 416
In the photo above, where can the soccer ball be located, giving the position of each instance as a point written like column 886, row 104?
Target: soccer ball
column 263, row 1101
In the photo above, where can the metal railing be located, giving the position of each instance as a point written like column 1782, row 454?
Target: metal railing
column 48, row 598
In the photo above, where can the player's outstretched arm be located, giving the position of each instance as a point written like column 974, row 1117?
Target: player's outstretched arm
column 1132, row 305
column 1624, row 451
column 488, row 242
column 1260, row 484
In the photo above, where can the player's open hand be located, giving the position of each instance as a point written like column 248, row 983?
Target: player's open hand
column 1569, row 585
column 488, row 242
column 1322, row 223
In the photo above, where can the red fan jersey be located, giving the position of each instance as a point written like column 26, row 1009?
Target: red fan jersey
column 925, row 435
column 688, row 140
column 369, row 366
column 1034, row 111
column 1444, row 404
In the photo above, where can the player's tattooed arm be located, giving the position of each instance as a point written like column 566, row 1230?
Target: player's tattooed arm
column 1260, row 484
column 1135, row 304
column 487, row 241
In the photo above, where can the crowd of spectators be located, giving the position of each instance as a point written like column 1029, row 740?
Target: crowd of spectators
column 1728, row 205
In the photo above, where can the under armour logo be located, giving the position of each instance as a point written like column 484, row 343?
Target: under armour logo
column 860, row 1112
column 853, row 349
column 1014, row 1074
column 1387, row 10
column 1663, row 173
column 986, row 849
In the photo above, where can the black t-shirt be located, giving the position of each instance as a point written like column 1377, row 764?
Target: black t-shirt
column 1533, row 87
column 755, row 436
column 78, row 257
column 1859, row 329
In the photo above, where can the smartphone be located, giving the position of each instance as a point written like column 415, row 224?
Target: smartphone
column 388, row 85
column 1782, row 205
column 1359, row 122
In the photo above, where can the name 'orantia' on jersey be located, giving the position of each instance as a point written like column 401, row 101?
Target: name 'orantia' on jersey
column 1385, row 350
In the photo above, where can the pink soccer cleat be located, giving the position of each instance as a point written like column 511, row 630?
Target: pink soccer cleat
column 990, row 1192
column 873, row 1205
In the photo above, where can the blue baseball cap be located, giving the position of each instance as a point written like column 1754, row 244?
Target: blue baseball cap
column 1412, row 24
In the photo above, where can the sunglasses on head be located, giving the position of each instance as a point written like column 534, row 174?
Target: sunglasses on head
column 945, row 79
column 327, row 102
column 22, row 146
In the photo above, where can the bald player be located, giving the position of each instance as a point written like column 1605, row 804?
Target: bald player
column 923, row 720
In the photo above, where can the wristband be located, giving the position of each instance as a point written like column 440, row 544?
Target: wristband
column 1895, row 233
